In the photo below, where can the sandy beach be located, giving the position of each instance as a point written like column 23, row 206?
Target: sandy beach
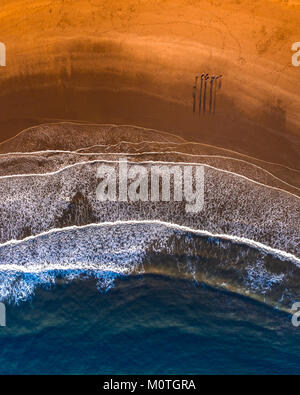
column 134, row 62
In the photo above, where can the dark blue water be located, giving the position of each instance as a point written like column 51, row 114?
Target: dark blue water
column 146, row 324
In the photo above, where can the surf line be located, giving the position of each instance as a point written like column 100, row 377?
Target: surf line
column 24, row 175
column 111, row 126
column 149, row 153
column 179, row 140
column 282, row 255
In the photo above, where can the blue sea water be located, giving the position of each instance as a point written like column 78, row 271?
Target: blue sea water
column 146, row 324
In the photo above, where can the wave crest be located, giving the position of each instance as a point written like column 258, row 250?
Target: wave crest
column 108, row 251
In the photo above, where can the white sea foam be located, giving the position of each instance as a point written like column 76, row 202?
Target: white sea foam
column 52, row 135
column 109, row 250
column 234, row 205
column 54, row 146
column 244, row 205
column 43, row 163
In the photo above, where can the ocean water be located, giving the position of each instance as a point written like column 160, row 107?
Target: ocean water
column 146, row 324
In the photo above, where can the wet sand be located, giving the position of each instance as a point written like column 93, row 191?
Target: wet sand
column 227, row 129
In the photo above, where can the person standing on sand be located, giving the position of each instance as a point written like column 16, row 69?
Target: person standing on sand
column 215, row 94
column 194, row 94
column 204, row 96
column 200, row 93
column 220, row 82
column 212, row 79
column 218, row 77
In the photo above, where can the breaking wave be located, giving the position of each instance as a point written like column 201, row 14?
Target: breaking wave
column 246, row 238
column 233, row 205
column 110, row 250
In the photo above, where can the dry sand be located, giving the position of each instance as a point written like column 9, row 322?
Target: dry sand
column 134, row 62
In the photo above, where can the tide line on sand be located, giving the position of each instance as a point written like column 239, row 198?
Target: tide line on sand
column 145, row 162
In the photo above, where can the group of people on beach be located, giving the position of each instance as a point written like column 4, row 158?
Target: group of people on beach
column 215, row 82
